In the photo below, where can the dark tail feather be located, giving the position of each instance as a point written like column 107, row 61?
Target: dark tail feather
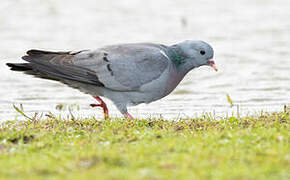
column 35, row 52
column 19, row 66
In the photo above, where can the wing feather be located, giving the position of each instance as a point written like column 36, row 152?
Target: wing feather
column 125, row 67
column 59, row 65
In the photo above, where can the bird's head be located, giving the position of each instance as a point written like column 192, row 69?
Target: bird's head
column 191, row 54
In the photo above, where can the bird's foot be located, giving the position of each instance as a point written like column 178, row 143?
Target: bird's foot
column 128, row 116
column 102, row 105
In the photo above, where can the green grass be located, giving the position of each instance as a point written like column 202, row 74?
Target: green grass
column 232, row 148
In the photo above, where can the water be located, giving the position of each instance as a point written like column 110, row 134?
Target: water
column 251, row 40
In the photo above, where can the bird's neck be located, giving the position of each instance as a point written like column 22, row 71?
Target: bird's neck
column 180, row 60
column 176, row 55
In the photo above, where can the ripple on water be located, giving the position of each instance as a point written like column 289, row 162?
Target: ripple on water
column 260, row 89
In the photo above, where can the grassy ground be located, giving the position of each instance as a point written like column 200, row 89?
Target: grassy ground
column 233, row 148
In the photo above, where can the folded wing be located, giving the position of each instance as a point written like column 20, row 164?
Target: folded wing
column 124, row 67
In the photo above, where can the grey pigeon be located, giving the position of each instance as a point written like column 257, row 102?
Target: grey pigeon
column 127, row 74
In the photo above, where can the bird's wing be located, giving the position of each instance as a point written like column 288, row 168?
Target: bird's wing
column 120, row 67
column 125, row 67
column 59, row 65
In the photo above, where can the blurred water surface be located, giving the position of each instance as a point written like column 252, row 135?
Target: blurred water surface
column 251, row 39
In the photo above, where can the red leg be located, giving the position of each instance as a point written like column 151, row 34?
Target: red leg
column 102, row 104
column 127, row 115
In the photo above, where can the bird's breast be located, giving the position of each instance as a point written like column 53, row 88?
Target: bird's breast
column 162, row 86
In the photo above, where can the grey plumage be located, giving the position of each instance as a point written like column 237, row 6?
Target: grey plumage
column 128, row 74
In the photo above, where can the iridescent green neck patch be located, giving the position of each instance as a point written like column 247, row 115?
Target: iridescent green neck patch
column 176, row 56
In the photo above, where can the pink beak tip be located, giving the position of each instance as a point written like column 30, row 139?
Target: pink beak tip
column 212, row 64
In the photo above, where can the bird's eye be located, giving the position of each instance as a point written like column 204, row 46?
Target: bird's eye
column 202, row 52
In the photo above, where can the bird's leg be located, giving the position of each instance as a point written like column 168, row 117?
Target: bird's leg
column 103, row 105
column 128, row 116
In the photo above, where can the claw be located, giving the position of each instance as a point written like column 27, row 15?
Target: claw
column 128, row 116
column 95, row 105
column 103, row 105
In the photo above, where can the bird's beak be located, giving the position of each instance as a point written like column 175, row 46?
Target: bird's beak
column 212, row 64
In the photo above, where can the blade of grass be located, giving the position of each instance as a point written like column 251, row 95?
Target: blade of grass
column 21, row 111
column 230, row 100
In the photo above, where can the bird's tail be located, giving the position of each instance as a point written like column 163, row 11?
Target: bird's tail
column 19, row 66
